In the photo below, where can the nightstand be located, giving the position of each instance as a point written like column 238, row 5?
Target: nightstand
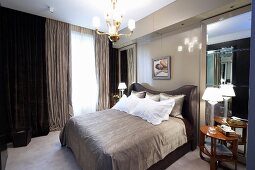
column 215, row 147
column 243, row 138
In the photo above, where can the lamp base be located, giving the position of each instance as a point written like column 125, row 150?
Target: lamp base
column 122, row 92
column 211, row 130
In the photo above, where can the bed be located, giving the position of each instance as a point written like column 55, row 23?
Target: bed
column 112, row 139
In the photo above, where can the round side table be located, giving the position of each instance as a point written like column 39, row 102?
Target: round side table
column 243, row 138
column 216, row 149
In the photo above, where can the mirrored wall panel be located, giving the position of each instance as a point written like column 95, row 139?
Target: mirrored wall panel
column 127, row 65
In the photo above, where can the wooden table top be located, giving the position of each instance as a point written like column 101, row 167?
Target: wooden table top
column 217, row 135
column 221, row 120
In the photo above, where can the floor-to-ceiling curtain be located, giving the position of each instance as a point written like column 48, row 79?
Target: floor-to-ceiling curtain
column 58, row 73
column 84, row 83
column 102, row 70
column 24, row 75
column 131, row 66
column 113, row 73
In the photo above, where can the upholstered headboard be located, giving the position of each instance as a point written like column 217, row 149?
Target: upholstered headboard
column 189, row 110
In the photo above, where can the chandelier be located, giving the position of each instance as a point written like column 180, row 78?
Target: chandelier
column 113, row 20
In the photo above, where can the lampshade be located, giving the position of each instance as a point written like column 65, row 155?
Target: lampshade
column 212, row 95
column 227, row 90
column 122, row 86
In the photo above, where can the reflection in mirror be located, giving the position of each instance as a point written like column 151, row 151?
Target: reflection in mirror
column 127, row 65
column 228, row 61
column 219, row 66
column 230, row 65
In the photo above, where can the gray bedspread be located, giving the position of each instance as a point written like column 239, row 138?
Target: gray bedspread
column 111, row 139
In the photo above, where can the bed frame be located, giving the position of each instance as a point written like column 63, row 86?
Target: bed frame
column 189, row 112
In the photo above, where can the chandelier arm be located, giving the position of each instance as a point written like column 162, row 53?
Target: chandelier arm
column 127, row 35
column 101, row 33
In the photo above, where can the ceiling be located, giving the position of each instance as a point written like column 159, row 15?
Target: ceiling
column 81, row 12
column 237, row 24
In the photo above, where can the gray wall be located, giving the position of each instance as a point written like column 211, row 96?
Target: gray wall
column 185, row 65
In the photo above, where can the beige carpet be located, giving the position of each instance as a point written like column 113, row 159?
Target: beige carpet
column 46, row 153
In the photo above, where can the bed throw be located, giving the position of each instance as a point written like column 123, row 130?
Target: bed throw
column 112, row 140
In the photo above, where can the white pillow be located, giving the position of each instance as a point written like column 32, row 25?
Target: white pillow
column 152, row 111
column 125, row 104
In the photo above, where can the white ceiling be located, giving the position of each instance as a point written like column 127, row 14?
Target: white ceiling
column 237, row 24
column 81, row 12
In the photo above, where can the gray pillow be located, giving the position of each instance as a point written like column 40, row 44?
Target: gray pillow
column 140, row 94
column 154, row 97
column 177, row 110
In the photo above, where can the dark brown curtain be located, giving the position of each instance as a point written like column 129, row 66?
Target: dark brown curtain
column 58, row 73
column 23, row 83
column 113, row 73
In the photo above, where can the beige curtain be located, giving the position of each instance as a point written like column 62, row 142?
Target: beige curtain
column 82, row 30
column 131, row 66
column 58, row 65
column 217, row 73
column 102, row 70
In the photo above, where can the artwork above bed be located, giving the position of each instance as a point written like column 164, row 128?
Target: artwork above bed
column 114, row 139
column 161, row 68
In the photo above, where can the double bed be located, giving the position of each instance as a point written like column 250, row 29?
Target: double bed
column 112, row 139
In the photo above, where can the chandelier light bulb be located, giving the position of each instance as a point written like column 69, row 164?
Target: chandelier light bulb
column 131, row 24
column 96, row 22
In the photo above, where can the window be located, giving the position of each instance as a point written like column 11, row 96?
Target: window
column 84, row 84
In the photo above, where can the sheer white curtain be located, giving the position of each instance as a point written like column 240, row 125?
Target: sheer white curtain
column 84, row 83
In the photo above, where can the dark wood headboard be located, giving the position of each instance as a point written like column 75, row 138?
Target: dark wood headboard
column 189, row 110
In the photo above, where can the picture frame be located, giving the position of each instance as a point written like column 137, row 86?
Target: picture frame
column 161, row 68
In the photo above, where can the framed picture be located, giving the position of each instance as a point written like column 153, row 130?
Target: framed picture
column 161, row 68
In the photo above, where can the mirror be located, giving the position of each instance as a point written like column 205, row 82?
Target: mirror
column 127, row 65
column 228, row 61
column 219, row 66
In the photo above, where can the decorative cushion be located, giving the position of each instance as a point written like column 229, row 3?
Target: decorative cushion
column 177, row 110
column 140, row 94
column 152, row 111
column 154, row 97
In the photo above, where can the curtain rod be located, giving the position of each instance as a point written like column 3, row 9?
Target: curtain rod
column 227, row 51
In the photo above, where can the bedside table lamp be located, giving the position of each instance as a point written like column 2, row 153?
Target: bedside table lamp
column 213, row 96
column 122, row 86
column 227, row 92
